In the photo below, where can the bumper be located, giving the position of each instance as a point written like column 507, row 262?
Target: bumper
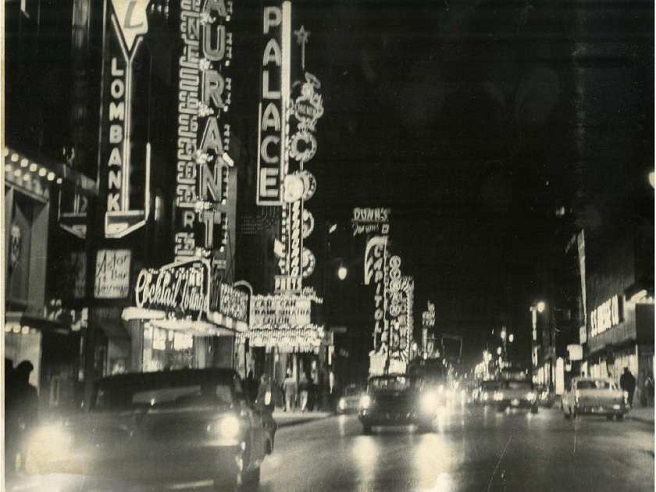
column 516, row 403
column 388, row 417
column 169, row 465
column 609, row 409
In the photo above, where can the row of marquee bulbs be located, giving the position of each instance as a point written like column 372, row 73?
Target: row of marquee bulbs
column 21, row 167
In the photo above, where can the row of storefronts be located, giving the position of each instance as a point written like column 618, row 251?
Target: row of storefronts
column 122, row 250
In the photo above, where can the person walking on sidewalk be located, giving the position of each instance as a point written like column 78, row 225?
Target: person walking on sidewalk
column 628, row 384
column 291, row 389
column 304, row 388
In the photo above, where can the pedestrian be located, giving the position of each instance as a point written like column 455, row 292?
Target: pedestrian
column 291, row 389
column 648, row 389
column 304, row 389
column 251, row 386
column 265, row 393
column 628, row 384
column 22, row 408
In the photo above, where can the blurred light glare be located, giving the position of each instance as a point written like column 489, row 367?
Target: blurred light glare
column 541, row 306
column 511, row 338
column 342, row 272
column 24, row 162
column 651, row 179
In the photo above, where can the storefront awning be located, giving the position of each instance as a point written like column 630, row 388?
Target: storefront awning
column 17, row 319
column 216, row 325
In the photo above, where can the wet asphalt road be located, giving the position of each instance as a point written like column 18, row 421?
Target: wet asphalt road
column 472, row 449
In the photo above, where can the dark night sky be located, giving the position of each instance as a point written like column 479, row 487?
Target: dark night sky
column 461, row 117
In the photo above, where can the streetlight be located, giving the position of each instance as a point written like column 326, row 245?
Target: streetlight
column 511, row 338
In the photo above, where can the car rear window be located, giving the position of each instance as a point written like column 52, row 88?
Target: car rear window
column 596, row 384
column 395, row 383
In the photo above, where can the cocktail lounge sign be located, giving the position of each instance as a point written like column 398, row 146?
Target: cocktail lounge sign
column 181, row 288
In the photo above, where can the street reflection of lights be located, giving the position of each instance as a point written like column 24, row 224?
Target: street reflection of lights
column 365, row 456
column 431, row 450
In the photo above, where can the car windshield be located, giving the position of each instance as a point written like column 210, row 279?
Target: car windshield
column 517, row 385
column 132, row 397
column 595, row 384
column 392, row 383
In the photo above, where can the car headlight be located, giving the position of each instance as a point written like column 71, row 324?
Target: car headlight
column 227, row 427
column 365, row 401
column 530, row 396
column 342, row 403
column 498, row 396
column 428, row 402
column 47, row 443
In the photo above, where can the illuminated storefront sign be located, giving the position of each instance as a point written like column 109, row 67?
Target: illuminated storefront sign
column 271, row 165
column 233, row 303
column 123, row 156
column 112, row 278
column 370, row 220
column 375, row 259
column 606, row 316
column 180, row 288
column 280, row 310
column 205, row 180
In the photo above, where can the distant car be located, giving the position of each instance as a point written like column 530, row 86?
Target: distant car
column 169, row 427
column 349, row 402
column 485, row 393
column 545, row 397
column 392, row 400
column 515, row 394
column 596, row 396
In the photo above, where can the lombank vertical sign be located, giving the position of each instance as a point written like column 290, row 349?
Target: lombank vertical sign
column 125, row 151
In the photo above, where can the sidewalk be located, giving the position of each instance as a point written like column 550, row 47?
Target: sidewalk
column 285, row 419
column 642, row 414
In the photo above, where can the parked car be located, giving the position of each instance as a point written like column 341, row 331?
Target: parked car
column 596, row 396
column 392, row 400
column 172, row 427
column 515, row 394
column 349, row 402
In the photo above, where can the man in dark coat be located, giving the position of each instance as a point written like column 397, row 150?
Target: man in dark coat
column 22, row 408
column 628, row 384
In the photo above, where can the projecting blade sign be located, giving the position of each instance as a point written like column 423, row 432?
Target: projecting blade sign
column 125, row 152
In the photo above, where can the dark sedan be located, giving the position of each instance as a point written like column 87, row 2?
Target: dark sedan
column 170, row 427
column 392, row 400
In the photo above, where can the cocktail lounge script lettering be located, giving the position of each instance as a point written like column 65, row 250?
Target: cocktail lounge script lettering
column 181, row 288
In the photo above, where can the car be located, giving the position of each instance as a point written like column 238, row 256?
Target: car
column 515, row 394
column 349, row 402
column 392, row 400
column 546, row 398
column 594, row 396
column 169, row 427
column 485, row 393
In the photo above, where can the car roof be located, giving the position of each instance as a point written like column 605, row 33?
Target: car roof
column 177, row 375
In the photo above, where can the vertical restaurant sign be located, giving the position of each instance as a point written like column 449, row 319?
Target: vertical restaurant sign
column 271, row 157
column 123, row 156
column 204, row 207
column 112, row 277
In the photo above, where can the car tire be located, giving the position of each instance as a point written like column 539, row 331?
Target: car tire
column 366, row 429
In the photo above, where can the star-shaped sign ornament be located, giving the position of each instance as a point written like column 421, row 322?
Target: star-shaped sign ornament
column 302, row 39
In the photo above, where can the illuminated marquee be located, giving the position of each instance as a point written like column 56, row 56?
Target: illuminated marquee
column 204, row 207
column 271, row 159
column 269, row 311
column 375, row 259
column 123, row 156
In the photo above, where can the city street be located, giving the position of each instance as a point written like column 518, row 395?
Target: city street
column 473, row 449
